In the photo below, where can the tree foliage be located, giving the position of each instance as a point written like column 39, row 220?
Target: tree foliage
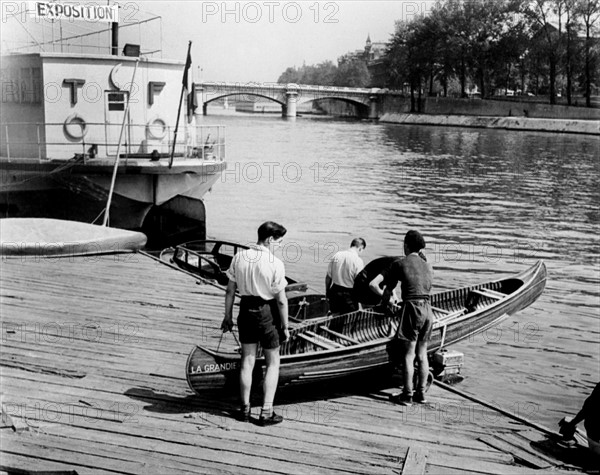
column 347, row 74
column 489, row 46
column 483, row 47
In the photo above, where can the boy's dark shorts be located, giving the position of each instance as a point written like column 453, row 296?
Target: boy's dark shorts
column 416, row 321
column 341, row 299
column 258, row 322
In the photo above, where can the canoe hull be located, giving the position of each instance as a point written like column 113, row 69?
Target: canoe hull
column 376, row 348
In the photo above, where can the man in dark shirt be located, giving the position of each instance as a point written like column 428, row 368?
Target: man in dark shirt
column 590, row 414
column 365, row 296
column 416, row 320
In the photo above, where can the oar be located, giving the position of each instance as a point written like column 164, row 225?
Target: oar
column 523, row 420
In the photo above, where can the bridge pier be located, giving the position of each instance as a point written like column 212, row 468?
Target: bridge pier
column 373, row 112
column 291, row 102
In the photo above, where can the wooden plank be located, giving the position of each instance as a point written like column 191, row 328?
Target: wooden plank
column 17, row 424
column 517, row 452
column 524, row 444
column 339, row 335
column 6, row 419
column 414, row 462
column 461, row 465
column 21, row 464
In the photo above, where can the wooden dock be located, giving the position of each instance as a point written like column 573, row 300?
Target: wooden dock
column 93, row 381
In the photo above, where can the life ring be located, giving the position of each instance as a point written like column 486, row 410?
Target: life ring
column 156, row 129
column 75, row 127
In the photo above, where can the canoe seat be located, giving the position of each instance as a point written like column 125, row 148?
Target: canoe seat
column 340, row 335
column 475, row 296
column 450, row 317
column 494, row 292
column 489, row 293
column 440, row 310
column 319, row 341
column 324, row 339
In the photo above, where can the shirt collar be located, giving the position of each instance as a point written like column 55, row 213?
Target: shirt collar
column 260, row 247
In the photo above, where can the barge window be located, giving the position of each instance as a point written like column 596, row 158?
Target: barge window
column 116, row 101
column 31, row 85
column 10, row 85
column 22, row 85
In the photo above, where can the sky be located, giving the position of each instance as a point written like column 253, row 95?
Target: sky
column 235, row 41
column 257, row 41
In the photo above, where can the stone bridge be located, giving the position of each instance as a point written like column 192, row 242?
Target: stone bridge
column 291, row 95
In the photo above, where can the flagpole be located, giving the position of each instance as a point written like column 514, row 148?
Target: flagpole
column 183, row 87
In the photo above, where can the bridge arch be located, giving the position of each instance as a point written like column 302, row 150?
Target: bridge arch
column 244, row 94
column 362, row 109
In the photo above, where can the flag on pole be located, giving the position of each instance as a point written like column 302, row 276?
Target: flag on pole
column 184, row 89
column 192, row 103
column 188, row 65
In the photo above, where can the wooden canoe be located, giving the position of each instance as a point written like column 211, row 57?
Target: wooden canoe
column 210, row 259
column 363, row 341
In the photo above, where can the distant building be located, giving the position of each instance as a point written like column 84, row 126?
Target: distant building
column 373, row 54
column 374, row 51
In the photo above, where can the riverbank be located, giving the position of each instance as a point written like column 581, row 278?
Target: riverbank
column 570, row 126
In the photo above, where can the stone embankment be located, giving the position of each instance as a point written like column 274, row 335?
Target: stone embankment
column 502, row 114
column 573, row 126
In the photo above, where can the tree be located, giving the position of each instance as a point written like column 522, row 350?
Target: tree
column 448, row 45
column 404, row 62
column 540, row 12
column 458, row 28
column 570, row 45
column 323, row 74
column 352, row 74
column 290, row 75
column 396, row 57
column 589, row 12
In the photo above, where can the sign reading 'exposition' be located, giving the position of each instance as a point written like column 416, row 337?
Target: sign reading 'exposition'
column 69, row 11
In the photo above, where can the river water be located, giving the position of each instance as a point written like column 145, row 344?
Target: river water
column 489, row 204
